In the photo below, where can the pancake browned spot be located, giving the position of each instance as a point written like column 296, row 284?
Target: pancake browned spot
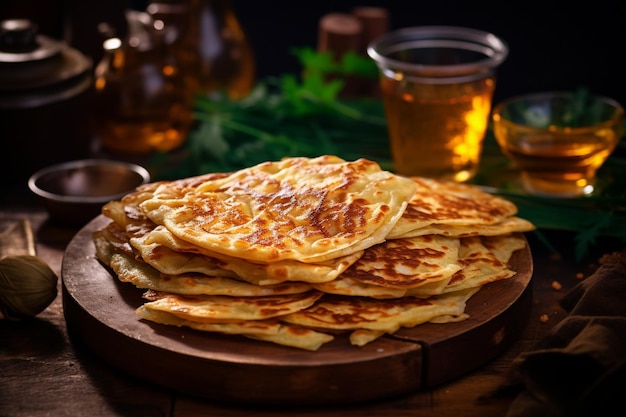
column 388, row 269
column 407, row 263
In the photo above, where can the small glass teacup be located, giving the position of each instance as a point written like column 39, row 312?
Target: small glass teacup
column 558, row 140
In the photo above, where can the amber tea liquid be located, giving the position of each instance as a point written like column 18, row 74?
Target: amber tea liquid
column 560, row 164
column 140, row 102
column 144, row 131
column 437, row 130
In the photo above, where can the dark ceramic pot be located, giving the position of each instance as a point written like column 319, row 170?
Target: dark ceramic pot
column 45, row 90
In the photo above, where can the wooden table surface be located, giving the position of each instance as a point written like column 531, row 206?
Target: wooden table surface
column 45, row 373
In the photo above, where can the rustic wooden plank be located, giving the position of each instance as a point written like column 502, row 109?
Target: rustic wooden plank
column 43, row 373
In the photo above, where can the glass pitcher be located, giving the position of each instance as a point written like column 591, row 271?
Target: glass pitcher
column 140, row 101
column 210, row 44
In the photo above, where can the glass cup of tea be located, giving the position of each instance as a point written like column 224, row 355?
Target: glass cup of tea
column 437, row 84
column 558, row 140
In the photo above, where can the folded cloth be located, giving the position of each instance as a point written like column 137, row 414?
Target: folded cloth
column 579, row 368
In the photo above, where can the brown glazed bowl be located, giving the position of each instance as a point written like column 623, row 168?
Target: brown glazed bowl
column 74, row 192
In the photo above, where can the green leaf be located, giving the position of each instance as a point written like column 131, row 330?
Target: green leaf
column 355, row 64
column 315, row 62
column 311, row 94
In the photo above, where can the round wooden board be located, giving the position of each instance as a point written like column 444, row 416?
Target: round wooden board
column 99, row 311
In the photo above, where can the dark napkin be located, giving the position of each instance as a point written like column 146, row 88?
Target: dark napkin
column 579, row 368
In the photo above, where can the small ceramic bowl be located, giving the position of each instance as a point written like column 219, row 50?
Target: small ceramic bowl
column 558, row 140
column 74, row 192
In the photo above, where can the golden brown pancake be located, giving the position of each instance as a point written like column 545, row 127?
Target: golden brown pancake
column 265, row 330
column 438, row 202
column 480, row 265
column 335, row 312
column 172, row 255
column 142, row 275
column 507, row 226
column 132, row 231
column 389, row 269
column 222, row 309
column 407, row 263
column 477, row 261
column 308, row 210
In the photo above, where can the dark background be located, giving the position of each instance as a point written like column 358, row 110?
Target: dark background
column 553, row 44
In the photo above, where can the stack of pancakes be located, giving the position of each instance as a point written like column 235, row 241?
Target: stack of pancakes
column 297, row 251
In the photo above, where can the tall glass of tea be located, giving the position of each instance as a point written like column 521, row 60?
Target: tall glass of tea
column 437, row 84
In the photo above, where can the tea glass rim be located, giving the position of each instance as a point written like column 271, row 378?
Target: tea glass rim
column 615, row 118
column 488, row 44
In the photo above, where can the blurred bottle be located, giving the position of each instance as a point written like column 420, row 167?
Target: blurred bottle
column 343, row 33
column 140, row 102
column 339, row 34
column 208, row 41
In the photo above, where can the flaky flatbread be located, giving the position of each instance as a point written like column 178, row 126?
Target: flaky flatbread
column 265, row 330
column 438, row 202
column 170, row 254
column 309, row 210
column 389, row 269
column 507, row 226
column 335, row 312
column 142, row 275
column 480, row 266
column 133, row 232
column 407, row 263
column 477, row 261
column 222, row 309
